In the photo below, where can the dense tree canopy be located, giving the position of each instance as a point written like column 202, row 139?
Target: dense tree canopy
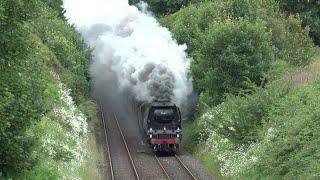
column 162, row 7
column 235, row 41
column 236, row 51
column 309, row 12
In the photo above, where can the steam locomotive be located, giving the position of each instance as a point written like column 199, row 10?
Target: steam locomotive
column 161, row 123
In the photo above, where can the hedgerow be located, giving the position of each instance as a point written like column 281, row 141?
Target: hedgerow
column 258, row 116
column 271, row 134
column 37, row 46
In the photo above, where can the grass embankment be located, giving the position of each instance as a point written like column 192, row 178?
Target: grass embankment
column 283, row 118
column 97, row 164
column 253, row 65
column 44, row 95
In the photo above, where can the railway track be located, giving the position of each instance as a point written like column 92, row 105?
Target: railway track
column 181, row 164
column 115, row 175
column 108, row 145
column 125, row 144
column 185, row 167
column 127, row 148
column 161, row 166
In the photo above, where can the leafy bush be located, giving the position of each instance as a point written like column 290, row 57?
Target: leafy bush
column 233, row 51
column 25, row 95
column 293, row 153
column 309, row 12
column 239, row 118
column 266, row 127
column 164, row 6
column 196, row 24
column 291, row 40
column 36, row 43
column 271, row 133
column 70, row 50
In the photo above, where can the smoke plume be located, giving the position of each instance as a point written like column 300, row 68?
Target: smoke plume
column 131, row 50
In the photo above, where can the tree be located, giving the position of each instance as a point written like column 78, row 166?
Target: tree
column 309, row 12
column 162, row 7
column 232, row 53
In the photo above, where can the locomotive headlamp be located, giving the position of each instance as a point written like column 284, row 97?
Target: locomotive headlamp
column 178, row 135
column 150, row 136
column 164, row 128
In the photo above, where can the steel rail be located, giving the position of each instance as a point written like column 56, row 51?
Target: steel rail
column 128, row 151
column 163, row 169
column 185, row 167
column 107, row 142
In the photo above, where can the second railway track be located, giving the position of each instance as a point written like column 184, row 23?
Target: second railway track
column 111, row 162
column 127, row 148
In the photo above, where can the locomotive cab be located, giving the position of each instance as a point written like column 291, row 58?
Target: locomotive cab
column 164, row 126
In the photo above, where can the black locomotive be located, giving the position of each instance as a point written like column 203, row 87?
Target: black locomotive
column 161, row 121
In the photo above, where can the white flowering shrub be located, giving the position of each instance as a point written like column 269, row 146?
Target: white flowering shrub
column 70, row 114
column 270, row 134
column 232, row 159
column 227, row 132
column 63, row 136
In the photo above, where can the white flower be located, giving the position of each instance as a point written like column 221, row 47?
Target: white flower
column 231, row 128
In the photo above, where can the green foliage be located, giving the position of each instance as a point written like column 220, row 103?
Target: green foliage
column 309, row 12
column 70, row 50
column 164, row 6
column 15, row 12
column 56, row 5
column 233, row 51
column 25, row 93
column 294, row 152
column 246, row 54
column 278, row 126
column 292, row 42
column 232, row 41
column 36, row 42
column 52, row 149
column 245, row 114
column 88, row 108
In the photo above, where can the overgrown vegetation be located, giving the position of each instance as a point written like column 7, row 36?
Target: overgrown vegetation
column 254, row 67
column 165, row 6
column 252, row 62
column 309, row 11
column 233, row 44
column 43, row 65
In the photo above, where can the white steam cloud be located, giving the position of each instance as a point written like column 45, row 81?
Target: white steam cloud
column 132, row 49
